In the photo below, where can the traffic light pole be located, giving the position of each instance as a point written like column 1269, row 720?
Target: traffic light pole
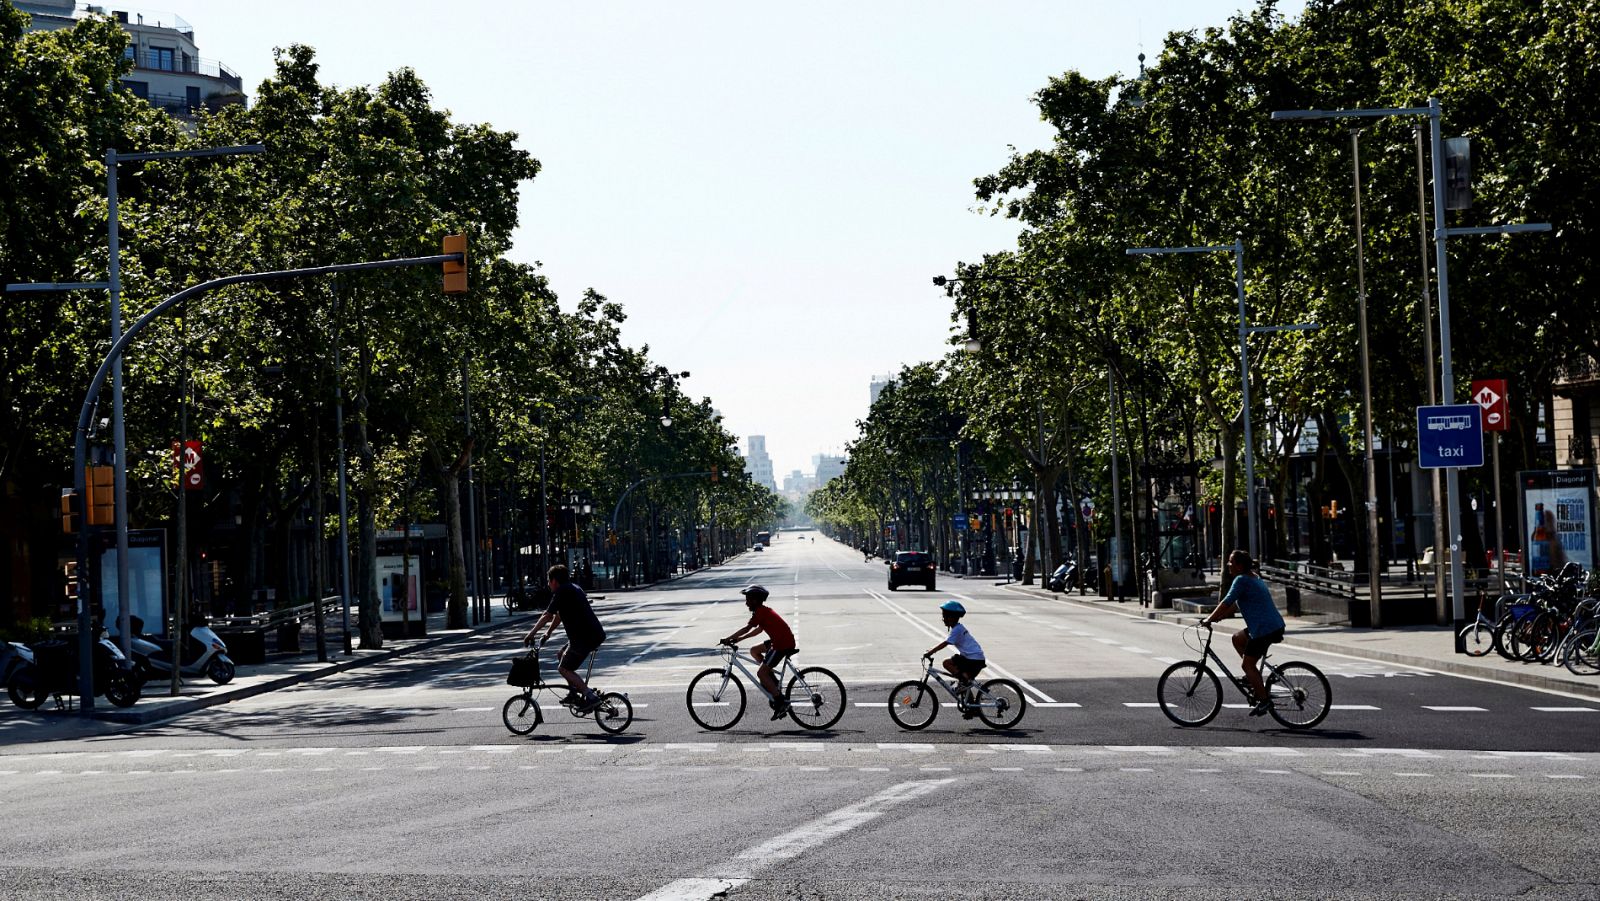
column 80, row 453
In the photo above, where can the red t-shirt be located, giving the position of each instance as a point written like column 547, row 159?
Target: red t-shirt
column 776, row 629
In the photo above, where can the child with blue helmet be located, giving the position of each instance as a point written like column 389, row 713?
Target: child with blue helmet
column 968, row 660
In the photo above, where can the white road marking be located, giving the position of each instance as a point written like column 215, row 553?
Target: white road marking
column 1565, row 709
column 1141, row 704
column 1455, row 709
column 744, row 865
column 1353, row 707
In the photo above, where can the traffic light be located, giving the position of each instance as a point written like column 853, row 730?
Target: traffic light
column 71, row 511
column 101, row 509
column 455, row 272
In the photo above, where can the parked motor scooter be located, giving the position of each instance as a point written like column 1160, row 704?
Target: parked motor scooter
column 51, row 668
column 203, row 654
column 1063, row 576
column 18, row 674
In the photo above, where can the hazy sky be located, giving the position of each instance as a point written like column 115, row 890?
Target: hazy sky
column 767, row 187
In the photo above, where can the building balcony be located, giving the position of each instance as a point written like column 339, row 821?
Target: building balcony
column 1583, row 373
column 182, row 64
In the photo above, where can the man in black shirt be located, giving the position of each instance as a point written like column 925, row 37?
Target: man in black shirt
column 569, row 608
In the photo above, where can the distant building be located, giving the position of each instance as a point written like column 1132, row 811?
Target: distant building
column 168, row 70
column 797, row 482
column 828, row 467
column 758, row 464
column 879, row 382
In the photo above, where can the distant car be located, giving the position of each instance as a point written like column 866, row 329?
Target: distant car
column 911, row 568
column 757, row 547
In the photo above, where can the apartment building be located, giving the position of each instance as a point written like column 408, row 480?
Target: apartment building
column 168, row 70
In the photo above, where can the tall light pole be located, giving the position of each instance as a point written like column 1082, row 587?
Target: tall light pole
column 1441, row 257
column 113, row 286
column 1245, row 331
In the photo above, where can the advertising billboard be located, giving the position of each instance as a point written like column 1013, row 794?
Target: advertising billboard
column 1557, row 519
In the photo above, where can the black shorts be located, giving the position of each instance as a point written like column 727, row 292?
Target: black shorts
column 1255, row 647
column 573, row 655
column 772, row 657
column 969, row 667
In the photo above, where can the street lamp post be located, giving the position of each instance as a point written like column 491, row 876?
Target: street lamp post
column 113, row 286
column 1441, row 257
column 1245, row 331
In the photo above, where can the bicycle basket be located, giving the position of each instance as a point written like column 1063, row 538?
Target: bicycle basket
column 525, row 671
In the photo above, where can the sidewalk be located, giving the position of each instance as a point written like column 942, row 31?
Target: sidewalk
column 198, row 692
column 1428, row 647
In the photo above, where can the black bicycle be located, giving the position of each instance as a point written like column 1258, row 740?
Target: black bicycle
column 1191, row 695
column 612, row 711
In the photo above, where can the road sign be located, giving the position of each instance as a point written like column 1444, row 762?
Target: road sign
column 1490, row 394
column 960, row 521
column 1450, row 437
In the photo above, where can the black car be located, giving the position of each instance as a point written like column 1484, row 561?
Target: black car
column 911, row 568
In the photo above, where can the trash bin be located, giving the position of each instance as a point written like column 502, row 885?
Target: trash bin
column 1291, row 599
column 289, row 637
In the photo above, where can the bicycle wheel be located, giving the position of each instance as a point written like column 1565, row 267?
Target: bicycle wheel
column 1300, row 695
column 614, row 714
column 1001, row 703
column 913, row 705
column 816, row 698
column 1478, row 638
column 1189, row 693
column 716, row 700
column 521, row 714
column 1533, row 637
column 1502, row 635
column 1582, row 659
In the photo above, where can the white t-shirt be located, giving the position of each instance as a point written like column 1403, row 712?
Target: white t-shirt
column 964, row 643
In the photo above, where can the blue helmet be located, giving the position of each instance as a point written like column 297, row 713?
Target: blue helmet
column 953, row 607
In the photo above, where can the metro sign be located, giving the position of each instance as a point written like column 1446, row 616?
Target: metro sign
column 1491, row 396
column 191, row 466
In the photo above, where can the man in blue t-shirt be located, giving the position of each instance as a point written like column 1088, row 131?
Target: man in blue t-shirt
column 1263, row 625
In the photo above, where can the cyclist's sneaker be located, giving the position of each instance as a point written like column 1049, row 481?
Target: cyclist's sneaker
column 572, row 698
column 588, row 702
column 1261, row 707
column 780, row 709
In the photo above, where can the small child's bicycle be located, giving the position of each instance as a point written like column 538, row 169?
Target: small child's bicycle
column 612, row 711
column 998, row 702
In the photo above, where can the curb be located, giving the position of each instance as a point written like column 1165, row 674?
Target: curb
column 1527, row 679
column 178, row 708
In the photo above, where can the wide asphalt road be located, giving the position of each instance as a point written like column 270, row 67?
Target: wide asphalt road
column 398, row 780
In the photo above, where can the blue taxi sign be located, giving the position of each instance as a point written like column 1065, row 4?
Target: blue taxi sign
column 1450, row 437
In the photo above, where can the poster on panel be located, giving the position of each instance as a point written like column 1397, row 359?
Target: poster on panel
column 1557, row 519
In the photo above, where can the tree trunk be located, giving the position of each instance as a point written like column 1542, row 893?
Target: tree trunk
column 449, row 478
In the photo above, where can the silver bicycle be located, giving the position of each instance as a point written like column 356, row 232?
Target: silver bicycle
column 716, row 698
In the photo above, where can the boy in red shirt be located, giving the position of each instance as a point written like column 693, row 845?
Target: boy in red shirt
column 769, row 653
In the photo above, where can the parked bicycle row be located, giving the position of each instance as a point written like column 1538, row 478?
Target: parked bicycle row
column 1296, row 694
column 1555, row 621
